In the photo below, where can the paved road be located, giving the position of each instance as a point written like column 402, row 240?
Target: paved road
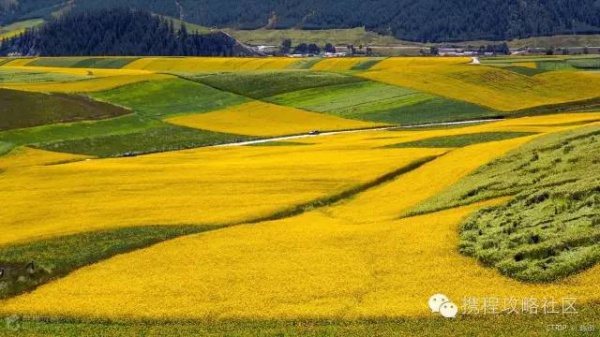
column 284, row 138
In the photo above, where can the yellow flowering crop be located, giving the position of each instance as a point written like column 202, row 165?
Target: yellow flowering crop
column 337, row 64
column 311, row 266
column 201, row 186
column 208, row 64
column 404, row 62
column 351, row 260
column 265, row 119
column 491, row 86
column 88, row 85
column 530, row 65
column 19, row 62
column 80, row 71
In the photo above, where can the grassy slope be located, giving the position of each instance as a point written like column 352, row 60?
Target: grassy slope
column 69, row 131
column 25, row 109
column 169, row 97
column 158, row 138
column 17, row 28
column 264, row 84
column 550, row 229
column 381, row 103
column 5, row 148
column 462, row 140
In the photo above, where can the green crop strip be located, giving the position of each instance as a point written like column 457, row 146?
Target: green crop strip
column 462, row 140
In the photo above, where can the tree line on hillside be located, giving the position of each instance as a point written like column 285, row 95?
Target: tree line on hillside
column 423, row 20
column 117, row 32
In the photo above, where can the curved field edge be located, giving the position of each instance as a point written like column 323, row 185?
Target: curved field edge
column 477, row 186
column 469, row 325
column 461, row 140
column 551, row 228
column 29, row 265
column 6, row 148
column 157, row 137
column 330, row 200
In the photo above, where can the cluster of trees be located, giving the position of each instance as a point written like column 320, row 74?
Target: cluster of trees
column 314, row 49
column 117, row 32
column 423, row 20
column 304, row 48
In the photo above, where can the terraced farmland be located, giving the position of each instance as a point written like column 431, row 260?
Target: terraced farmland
column 340, row 198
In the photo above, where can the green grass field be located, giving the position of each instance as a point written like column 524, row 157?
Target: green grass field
column 582, row 324
column 304, row 63
column 56, row 257
column 367, row 64
column 19, row 27
column 21, row 109
column 525, row 71
column 5, row 148
column 167, row 98
column 264, row 84
column 550, row 229
column 379, row 102
column 159, row 138
column 25, row 76
column 462, row 140
column 78, row 130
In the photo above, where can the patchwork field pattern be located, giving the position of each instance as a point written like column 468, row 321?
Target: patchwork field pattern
column 363, row 236
column 264, row 119
column 380, row 102
column 112, row 185
column 493, row 87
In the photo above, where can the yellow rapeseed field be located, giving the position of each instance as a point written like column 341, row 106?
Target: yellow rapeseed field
column 19, row 62
column 540, row 124
column 407, row 62
column 337, row 64
column 209, row 64
column 355, row 259
column 530, row 65
column 312, row 266
column 89, row 85
column 494, row 87
column 25, row 157
column 11, row 34
column 265, row 119
column 201, row 186
column 79, row 71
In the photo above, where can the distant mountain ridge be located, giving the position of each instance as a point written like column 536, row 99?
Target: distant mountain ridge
column 413, row 20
